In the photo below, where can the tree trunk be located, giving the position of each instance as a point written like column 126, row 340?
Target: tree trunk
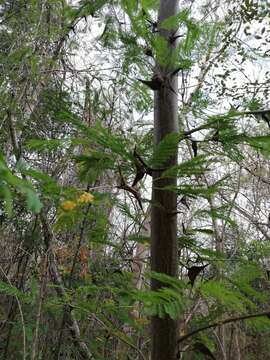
column 164, row 203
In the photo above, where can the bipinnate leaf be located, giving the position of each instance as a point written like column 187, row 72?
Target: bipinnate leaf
column 165, row 150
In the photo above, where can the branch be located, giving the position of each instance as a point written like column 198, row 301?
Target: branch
column 222, row 322
column 123, row 185
column 118, row 335
column 262, row 179
column 255, row 112
column 40, row 301
column 13, row 136
column 61, row 291
column 249, row 217
column 21, row 313
column 208, row 63
column 186, row 134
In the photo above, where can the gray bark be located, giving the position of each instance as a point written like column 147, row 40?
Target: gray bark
column 164, row 203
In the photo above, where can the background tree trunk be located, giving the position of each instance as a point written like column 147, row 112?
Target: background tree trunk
column 164, row 203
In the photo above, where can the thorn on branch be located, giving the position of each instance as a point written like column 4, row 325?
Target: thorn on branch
column 140, row 169
column 155, row 83
column 148, row 170
column 194, row 145
column 73, row 29
column 176, row 71
column 194, row 271
column 124, row 186
column 183, row 201
column 173, row 38
column 153, row 25
column 216, row 137
column 264, row 115
column 148, row 52
column 184, row 229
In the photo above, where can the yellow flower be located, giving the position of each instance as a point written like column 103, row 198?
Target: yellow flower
column 68, row 205
column 86, row 198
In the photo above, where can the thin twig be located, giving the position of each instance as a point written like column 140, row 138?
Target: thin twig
column 21, row 314
column 39, row 307
column 222, row 322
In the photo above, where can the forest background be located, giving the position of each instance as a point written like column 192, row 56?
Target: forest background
column 92, row 266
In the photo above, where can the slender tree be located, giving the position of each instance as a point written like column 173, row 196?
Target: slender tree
column 164, row 202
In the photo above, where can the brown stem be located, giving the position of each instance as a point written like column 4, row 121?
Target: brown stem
column 56, row 278
column 39, row 307
column 223, row 322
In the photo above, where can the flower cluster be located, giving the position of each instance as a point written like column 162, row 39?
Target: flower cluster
column 68, row 205
column 84, row 198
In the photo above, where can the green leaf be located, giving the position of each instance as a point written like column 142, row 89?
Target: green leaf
column 223, row 121
column 195, row 166
column 187, row 241
column 33, row 202
column 218, row 213
column 150, row 4
column 168, row 300
column 130, row 6
column 168, row 280
column 203, row 231
column 139, row 239
column 192, row 36
column 244, row 276
column 219, row 292
column 165, row 301
column 11, row 182
column 89, row 7
column 165, row 150
column 165, row 54
column 6, row 195
column 258, row 325
column 194, row 190
column 10, row 290
column 209, row 254
column 93, row 165
column 162, row 50
column 46, row 145
column 261, row 143
column 173, row 22
column 105, row 138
